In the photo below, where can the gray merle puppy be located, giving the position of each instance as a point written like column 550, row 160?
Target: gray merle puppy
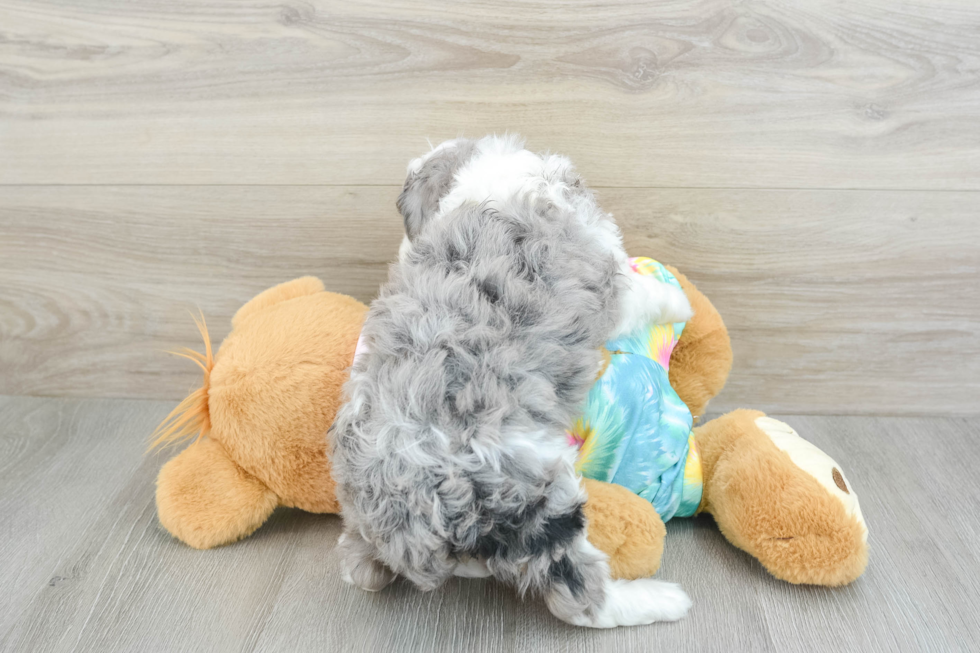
column 450, row 454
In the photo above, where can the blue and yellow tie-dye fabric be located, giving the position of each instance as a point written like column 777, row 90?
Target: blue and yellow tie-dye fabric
column 636, row 431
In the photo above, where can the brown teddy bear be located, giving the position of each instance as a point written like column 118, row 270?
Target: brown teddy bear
column 271, row 393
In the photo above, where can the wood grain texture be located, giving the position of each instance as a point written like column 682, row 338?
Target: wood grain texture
column 837, row 301
column 692, row 93
column 84, row 566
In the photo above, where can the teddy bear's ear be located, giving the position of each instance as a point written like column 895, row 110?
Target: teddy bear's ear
column 205, row 499
column 702, row 358
column 281, row 293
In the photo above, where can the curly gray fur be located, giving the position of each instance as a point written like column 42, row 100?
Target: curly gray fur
column 487, row 329
column 419, row 199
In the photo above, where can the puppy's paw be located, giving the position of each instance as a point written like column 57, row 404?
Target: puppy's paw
column 647, row 301
column 358, row 566
column 677, row 307
column 639, row 602
column 471, row 568
column 663, row 601
column 369, row 575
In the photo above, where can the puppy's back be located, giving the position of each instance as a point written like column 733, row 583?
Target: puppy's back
column 483, row 345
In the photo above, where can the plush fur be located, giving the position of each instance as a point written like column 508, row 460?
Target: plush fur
column 768, row 506
column 206, row 499
column 277, row 380
column 763, row 501
column 623, row 526
column 268, row 398
column 702, row 359
column 481, row 349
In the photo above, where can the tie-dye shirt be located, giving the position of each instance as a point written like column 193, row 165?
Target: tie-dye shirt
column 636, row 431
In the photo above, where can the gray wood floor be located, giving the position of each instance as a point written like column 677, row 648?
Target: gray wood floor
column 85, row 565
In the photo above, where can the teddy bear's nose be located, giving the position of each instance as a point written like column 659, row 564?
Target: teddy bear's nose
column 839, row 480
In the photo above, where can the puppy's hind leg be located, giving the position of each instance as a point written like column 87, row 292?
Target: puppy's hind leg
column 360, row 567
column 578, row 590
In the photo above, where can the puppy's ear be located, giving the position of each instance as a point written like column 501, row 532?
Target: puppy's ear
column 430, row 178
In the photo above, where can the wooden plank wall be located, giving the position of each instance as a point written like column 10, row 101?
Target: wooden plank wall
column 814, row 168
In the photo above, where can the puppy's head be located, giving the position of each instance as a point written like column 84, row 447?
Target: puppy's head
column 430, row 177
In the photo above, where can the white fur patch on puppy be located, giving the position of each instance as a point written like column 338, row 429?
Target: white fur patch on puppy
column 471, row 568
column 502, row 169
column 416, row 164
column 637, row 603
column 405, row 248
column 625, row 603
column 650, row 301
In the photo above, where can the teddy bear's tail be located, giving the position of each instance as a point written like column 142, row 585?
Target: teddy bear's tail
column 191, row 416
